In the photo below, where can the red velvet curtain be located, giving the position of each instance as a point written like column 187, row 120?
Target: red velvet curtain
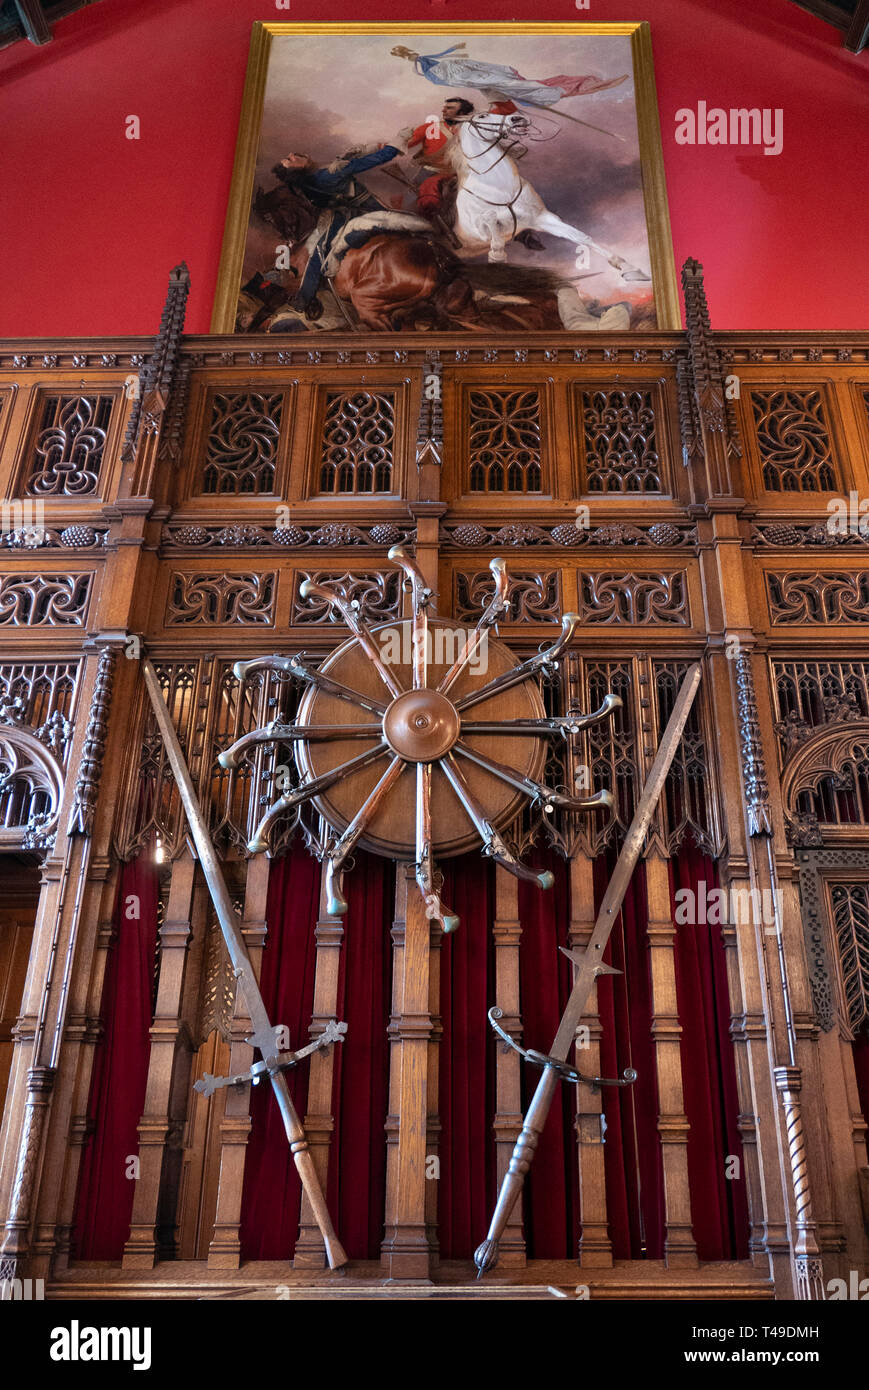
column 104, row 1201
column 466, row 1075
column 271, row 1195
column 551, row 1201
column 719, row 1206
column 632, row 1154
column 357, row 1170
column 632, row 1150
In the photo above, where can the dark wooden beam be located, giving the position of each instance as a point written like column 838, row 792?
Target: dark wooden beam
column 33, row 21
column 857, row 33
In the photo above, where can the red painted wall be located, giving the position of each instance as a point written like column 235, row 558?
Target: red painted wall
column 91, row 223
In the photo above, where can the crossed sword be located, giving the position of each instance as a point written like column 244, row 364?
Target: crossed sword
column 589, row 965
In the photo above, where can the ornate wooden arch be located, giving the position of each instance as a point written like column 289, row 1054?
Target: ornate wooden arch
column 31, row 789
column 833, row 751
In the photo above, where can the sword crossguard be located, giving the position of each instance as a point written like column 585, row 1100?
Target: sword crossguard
column 284, row 1061
column 564, row 1070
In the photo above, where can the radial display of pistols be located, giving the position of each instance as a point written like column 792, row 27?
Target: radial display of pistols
column 420, row 739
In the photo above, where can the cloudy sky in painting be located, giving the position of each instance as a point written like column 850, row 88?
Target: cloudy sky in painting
column 327, row 93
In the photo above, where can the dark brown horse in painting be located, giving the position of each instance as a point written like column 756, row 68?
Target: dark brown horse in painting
column 393, row 280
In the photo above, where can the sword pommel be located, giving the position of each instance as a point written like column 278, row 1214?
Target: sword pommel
column 486, row 1257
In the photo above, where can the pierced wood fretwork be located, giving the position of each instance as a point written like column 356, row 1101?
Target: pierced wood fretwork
column 504, row 441
column 688, row 802
column 794, row 441
column 534, row 596
column 358, row 441
column 31, row 781
column 376, row 592
column 811, row 693
column 44, row 692
column 44, row 600
column 151, row 816
column 621, row 451
column 850, row 911
column 67, row 452
column 819, row 598
column 214, row 599
column 643, row 599
column 611, row 746
column 243, row 435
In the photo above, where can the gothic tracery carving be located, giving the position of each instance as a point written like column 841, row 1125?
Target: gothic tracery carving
column 69, row 446
column 534, row 596
column 794, row 441
column 243, row 436
column 377, row 594
column 214, row 599
column 504, row 441
column 640, row 599
column 358, row 440
column 44, row 600
column 621, row 452
column 826, row 597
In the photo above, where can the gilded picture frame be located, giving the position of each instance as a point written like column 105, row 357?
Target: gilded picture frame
column 570, row 129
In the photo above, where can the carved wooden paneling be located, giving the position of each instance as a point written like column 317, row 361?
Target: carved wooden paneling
column 688, row 811
column 504, row 441
column 31, row 784
column 809, row 694
column 471, row 535
column 242, row 444
column 44, row 600
column 377, row 593
column 793, row 437
column 215, row 599
column 610, row 746
column 357, row 443
column 236, row 536
column 150, row 810
column 534, row 595
column 642, row 599
column 44, row 694
column 620, row 437
column 822, row 873
column 819, row 598
column 66, row 452
column 850, row 910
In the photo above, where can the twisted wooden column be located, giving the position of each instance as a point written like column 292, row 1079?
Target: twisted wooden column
column 807, row 1256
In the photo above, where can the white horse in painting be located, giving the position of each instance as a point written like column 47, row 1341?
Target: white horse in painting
column 494, row 202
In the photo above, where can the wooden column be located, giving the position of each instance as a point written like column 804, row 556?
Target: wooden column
column 507, row 1124
column 140, row 1251
column 595, row 1246
column 319, row 1120
column 405, row 1251
column 433, row 1119
column 679, row 1246
column 224, row 1252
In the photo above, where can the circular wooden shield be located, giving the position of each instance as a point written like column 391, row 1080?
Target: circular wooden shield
column 392, row 830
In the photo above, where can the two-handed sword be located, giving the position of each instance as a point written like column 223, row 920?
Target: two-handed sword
column 264, row 1036
column 589, row 965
